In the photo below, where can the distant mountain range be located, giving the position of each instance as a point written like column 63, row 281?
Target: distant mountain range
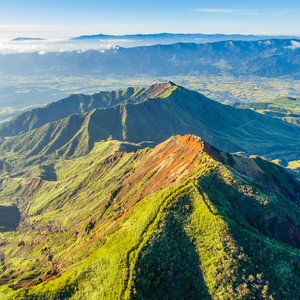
column 182, row 37
column 20, row 39
column 269, row 58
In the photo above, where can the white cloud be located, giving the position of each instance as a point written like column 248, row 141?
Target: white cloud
column 226, row 11
column 11, row 47
column 44, row 47
column 294, row 45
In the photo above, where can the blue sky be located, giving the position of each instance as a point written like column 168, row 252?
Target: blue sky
column 64, row 18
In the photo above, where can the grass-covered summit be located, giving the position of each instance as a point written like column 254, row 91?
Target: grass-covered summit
column 79, row 103
column 180, row 221
column 72, row 126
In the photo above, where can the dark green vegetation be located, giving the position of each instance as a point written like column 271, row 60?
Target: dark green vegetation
column 286, row 109
column 179, row 221
column 71, row 127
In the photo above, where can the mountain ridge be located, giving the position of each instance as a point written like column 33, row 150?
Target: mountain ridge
column 176, row 110
column 266, row 58
column 170, row 35
column 149, row 214
column 79, row 103
column 17, row 39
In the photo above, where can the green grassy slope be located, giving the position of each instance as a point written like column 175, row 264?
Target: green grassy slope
column 286, row 109
column 79, row 103
column 175, row 111
column 180, row 221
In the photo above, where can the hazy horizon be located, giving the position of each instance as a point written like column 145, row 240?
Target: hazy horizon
column 63, row 19
column 30, row 44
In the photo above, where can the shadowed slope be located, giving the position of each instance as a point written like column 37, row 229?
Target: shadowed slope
column 9, row 218
column 78, row 103
column 169, row 262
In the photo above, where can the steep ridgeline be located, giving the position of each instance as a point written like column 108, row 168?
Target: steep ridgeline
column 179, row 221
column 78, row 103
column 147, row 115
column 271, row 58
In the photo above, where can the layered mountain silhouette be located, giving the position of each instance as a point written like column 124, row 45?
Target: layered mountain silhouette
column 180, row 221
column 78, row 103
column 167, row 37
column 72, row 126
column 271, row 58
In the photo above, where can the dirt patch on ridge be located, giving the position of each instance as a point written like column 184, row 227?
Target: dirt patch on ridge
column 165, row 165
